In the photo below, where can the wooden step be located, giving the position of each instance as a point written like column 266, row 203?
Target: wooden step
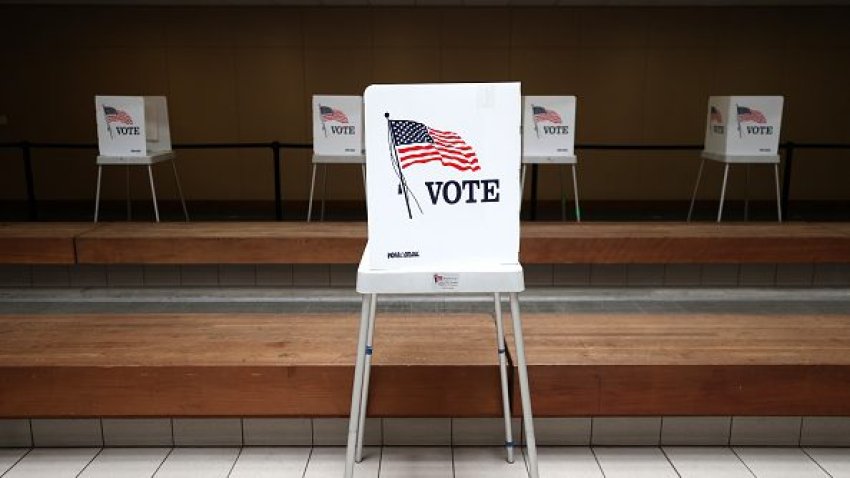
column 243, row 365
column 688, row 364
column 343, row 243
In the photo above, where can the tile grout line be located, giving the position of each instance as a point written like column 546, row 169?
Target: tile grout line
column 669, row 461
column 734, row 452
column 164, row 459
column 598, row 463
column 307, row 463
column 815, row 462
column 233, row 466
column 99, row 451
column 16, row 462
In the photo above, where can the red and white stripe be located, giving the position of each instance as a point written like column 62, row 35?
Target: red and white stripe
column 448, row 148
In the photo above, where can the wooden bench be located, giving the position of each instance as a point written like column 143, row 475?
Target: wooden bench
column 343, row 243
column 301, row 365
column 243, row 365
column 688, row 364
column 40, row 243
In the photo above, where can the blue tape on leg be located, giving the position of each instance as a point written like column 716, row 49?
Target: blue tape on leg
column 368, row 350
column 501, row 351
column 509, row 444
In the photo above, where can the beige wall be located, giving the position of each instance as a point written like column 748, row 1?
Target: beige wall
column 246, row 74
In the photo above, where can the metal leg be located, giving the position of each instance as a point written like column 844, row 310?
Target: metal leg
column 525, row 394
column 129, row 202
column 179, row 189
column 312, row 187
column 575, row 192
column 364, row 400
column 563, row 196
column 97, row 192
column 723, row 192
column 696, row 188
column 747, row 193
column 503, row 373
column 153, row 193
column 522, row 181
column 778, row 195
column 357, row 388
column 363, row 168
column 324, row 190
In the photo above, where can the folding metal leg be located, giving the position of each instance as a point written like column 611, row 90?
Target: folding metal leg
column 364, row 400
column 563, row 196
column 324, row 190
column 778, row 195
column 97, row 192
column 363, row 168
column 129, row 203
column 179, row 189
column 575, row 193
column 357, row 387
column 153, row 193
column 522, row 181
column 525, row 394
column 696, row 188
column 723, row 191
column 312, row 187
column 503, row 373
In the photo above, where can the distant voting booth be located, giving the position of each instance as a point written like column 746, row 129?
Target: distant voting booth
column 548, row 137
column 443, row 206
column 337, row 138
column 741, row 130
column 134, row 131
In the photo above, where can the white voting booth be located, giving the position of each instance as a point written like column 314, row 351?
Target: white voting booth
column 548, row 137
column 443, row 203
column 337, row 138
column 133, row 131
column 741, row 130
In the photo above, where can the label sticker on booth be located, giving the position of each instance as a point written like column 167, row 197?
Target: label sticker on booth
column 338, row 125
column 548, row 126
column 446, row 281
column 443, row 175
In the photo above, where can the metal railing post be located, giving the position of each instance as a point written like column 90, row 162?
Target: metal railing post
column 278, row 195
column 786, row 178
column 32, row 204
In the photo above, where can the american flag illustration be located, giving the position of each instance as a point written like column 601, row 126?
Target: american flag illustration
column 542, row 114
column 716, row 117
column 332, row 114
column 114, row 115
column 417, row 143
column 749, row 114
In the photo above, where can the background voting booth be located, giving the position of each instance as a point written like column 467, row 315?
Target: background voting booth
column 337, row 138
column 742, row 130
column 443, row 206
column 548, row 137
column 133, row 131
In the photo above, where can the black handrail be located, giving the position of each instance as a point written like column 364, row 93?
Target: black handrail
column 26, row 148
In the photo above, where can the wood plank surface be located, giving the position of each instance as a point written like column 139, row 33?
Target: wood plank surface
column 223, row 243
column 39, row 243
column 243, row 364
column 541, row 243
column 688, row 364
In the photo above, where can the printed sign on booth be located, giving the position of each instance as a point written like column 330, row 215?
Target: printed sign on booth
column 549, row 126
column 743, row 125
column 443, row 175
column 131, row 126
column 338, row 125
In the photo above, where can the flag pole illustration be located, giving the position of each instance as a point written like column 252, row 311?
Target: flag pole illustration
column 534, row 116
column 738, row 118
column 403, row 188
column 322, row 118
column 108, row 123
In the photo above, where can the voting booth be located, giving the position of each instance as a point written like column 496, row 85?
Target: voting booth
column 741, row 130
column 443, row 203
column 337, row 138
column 133, row 131
column 548, row 137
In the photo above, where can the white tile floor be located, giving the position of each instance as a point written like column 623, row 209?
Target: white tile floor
column 427, row 462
